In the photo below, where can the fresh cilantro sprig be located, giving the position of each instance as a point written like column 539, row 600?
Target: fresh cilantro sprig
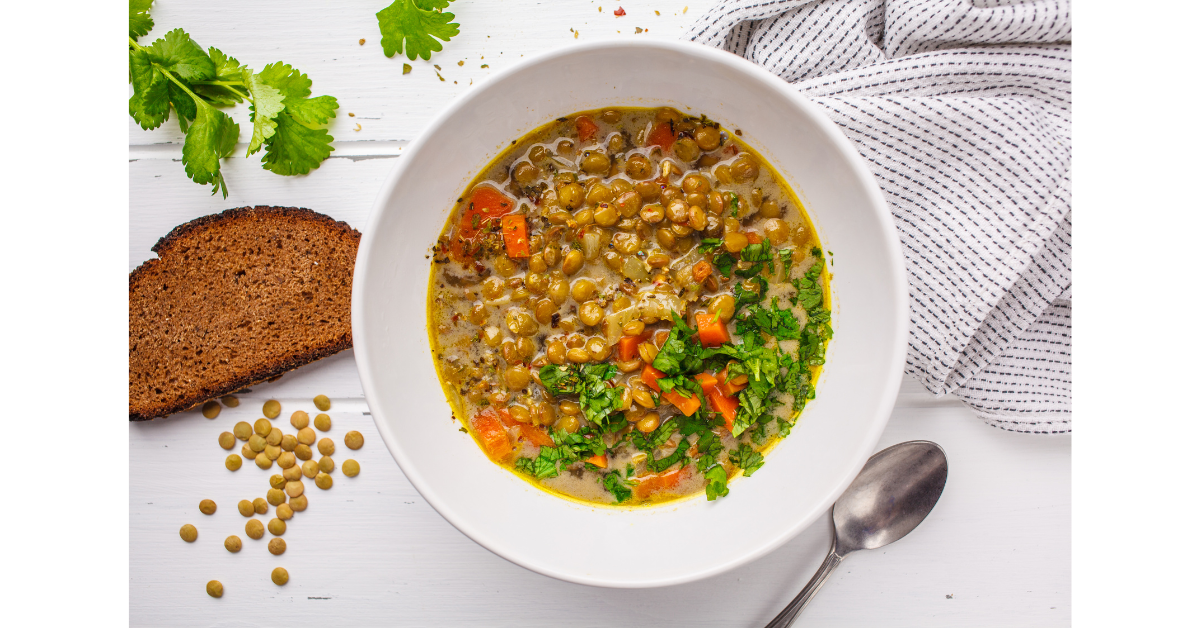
column 415, row 26
column 175, row 73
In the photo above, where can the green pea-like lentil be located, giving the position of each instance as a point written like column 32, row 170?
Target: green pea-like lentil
column 260, row 505
column 230, row 401
column 262, row 427
column 292, row 473
column 271, row 409
column 326, row 464
column 214, row 588
column 303, row 452
column 283, row 511
column 273, row 452
column 263, row 461
column 233, row 462
column 321, row 402
column 208, row 506
column 325, row 446
column 294, row 488
column 277, row 481
column 286, row 460
column 226, row 440
column 354, row 440
column 246, row 508
column 298, row 503
column 257, row 443
column 310, row 469
column 279, row 576
column 275, row 497
column 306, row 436
column 188, row 532
column 211, row 409
column 277, row 526
column 242, row 430
column 324, row 481
column 350, row 468
column 254, row 529
column 233, row 543
column 299, row 419
column 275, row 436
column 288, row 443
column 248, row 453
column 277, row 546
column 322, row 422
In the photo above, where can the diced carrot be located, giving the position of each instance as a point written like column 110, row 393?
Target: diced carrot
column 650, row 377
column 516, row 238
column 483, row 206
column 627, row 346
column 599, row 460
column 701, row 270
column 536, row 435
column 663, row 482
column 712, row 330
column 725, row 406
column 708, row 383
column 686, row 405
column 493, row 436
column 752, row 237
column 586, row 128
column 531, row 433
column 731, row 386
column 663, row 135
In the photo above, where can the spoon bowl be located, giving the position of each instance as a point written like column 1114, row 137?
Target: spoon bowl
column 892, row 495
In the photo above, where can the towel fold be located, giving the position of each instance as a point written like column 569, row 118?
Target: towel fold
column 962, row 110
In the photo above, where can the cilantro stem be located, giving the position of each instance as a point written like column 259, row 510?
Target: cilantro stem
column 184, row 87
column 135, row 45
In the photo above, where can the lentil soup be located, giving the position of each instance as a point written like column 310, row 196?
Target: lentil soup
column 629, row 306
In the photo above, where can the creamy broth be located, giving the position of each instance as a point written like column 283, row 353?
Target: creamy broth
column 628, row 306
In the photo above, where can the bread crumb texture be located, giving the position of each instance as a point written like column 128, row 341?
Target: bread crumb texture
column 234, row 299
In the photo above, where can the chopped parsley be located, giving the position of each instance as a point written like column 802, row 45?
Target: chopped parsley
column 614, row 484
column 589, row 382
column 746, row 458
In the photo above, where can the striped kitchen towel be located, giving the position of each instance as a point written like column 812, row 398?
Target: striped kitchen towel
column 962, row 110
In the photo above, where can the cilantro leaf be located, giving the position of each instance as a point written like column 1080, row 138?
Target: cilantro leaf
column 175, row 52
column 150, row 103
column 785, row 257
column 145, row 118
column 139, row 18
column 597, row 399
column 414, row 27
column 734, row 202
column 746, row 458
column 717, row 483
column 662, row 464
column 617, row 486
column 560, row 380
column 267, row 103
column 708, row 245
column 758, row 254
column 211, row 138
column 227, row 88
column 295, row 148
column 724, row 262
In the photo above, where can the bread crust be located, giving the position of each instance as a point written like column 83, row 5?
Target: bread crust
column 271, row 368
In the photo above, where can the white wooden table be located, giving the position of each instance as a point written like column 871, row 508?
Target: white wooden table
column 995, row 551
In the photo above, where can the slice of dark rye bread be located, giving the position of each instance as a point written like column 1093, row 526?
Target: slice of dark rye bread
column 234, row 299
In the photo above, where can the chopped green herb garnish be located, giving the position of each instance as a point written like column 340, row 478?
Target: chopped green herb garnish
column 414, row 27
column 614, row 484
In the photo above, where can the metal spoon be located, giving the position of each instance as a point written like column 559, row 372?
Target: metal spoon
column 892, row 494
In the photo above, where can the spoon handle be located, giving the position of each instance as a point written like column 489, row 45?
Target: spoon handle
column 789, row 613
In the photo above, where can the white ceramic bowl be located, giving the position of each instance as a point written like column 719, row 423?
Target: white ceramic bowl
column 684, row 540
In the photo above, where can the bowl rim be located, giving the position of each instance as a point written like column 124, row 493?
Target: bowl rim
column 879, row 211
